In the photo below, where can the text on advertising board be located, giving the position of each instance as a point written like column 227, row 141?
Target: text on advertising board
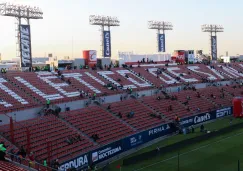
column 136, row 140
column 25, row 45
column 223, row 112
column 107, row 44
column 104, row 154
column 161, row 43
column 159, row 129
column 76, row 163
column 214, row 47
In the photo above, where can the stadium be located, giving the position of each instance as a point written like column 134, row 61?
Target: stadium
column 161, row 111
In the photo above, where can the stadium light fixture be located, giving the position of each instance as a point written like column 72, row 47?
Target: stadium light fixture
column 103, row 20
column 20, row 11
column 160, row 25
column 212, row 28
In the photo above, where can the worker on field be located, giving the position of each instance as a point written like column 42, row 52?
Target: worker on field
column 177, row 119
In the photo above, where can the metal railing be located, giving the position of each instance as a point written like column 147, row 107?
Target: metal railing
column 25, row 163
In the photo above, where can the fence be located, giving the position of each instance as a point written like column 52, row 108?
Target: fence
column 27, row 163
column 215, row 155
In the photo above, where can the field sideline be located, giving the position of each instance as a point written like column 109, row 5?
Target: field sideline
column 204, row 155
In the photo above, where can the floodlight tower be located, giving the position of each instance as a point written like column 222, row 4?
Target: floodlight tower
column 213, row 29
column 104, row 21
column 160, row 25
column 23, row 35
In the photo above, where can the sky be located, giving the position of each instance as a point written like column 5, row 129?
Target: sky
column 65, row 29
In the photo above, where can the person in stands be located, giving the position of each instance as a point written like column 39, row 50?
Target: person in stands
column 109, row 107
column 121, row 98
column 69, row 140
column 3, row 149
column 170, row 108
column 120, row 115
column 56, row 164
column 94, row 96
column 22, row 152
column 48, row 102
column 45, row 163
column 32, row 160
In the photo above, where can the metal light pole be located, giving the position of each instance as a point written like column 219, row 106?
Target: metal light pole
column 105, row 22
column 21, row 12
column 160, row 26
column 213, row 29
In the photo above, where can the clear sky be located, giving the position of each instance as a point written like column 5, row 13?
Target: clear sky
column 67, row 20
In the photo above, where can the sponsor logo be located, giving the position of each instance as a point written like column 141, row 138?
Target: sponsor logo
column 161, row 42
column 77, row 163
column 107, row 43
column 159, row 129
column 25, row 45
column 102, row 154
column 136, row 140
column 203, row 118
column 92, row 56
column 187, row 121
column 214, row 47
column 223, row 112
column 94, row 156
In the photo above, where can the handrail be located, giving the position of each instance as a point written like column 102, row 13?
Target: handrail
column 29, row 163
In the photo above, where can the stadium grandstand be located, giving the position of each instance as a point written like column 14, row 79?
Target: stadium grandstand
column 83, row 117
column 116, row 112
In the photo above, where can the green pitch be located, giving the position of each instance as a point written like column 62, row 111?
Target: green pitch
column 217, row 154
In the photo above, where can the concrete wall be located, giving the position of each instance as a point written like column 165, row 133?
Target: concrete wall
column 20, row 115
column 79, row 104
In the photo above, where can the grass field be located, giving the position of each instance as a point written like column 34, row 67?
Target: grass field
column 217, row 154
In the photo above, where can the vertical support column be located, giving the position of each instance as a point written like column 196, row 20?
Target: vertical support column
column 49, row 149
column 102, row 40
column 158, row 32
column 18, row 33
column 28, row 22
column 12, row 130
column 28, row 140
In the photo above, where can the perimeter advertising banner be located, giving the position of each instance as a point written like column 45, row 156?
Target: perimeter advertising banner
column 161, row 42
column 107, row 43
column 25, row 46
column 214, row 47
column 204, row 117
column 108, row 151
column 77, row 163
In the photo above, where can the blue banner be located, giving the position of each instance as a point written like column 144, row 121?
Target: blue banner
column 224, row 112
column 79, row 162
column 115, row 148
column 214, row 47
column 134, row 140
column 204, row 117
column 106, row 152
column 161, row 42
column 25, row 46
column 158, row 131
column 107, row 43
